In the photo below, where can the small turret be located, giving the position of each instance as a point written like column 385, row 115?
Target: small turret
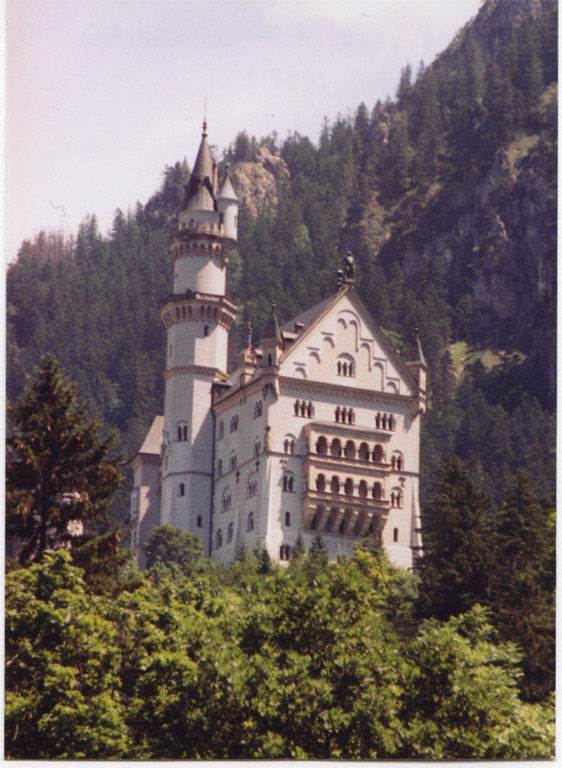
column 418, row 367
column 272, row 341
column 227, row 206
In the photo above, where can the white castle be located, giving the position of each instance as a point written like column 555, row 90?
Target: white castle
column 316, row 430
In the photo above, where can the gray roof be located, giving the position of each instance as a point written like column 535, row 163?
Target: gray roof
column 308, row 317
column 227, row 190
column 271, row 330
column 203, row 167
column 153, row 440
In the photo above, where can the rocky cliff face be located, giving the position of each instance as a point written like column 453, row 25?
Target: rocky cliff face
column 494, row 237
column 257, row 184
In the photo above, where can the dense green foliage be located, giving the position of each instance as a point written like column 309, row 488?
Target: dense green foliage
column 60, row 470
column 506, row 563
column 312, row 661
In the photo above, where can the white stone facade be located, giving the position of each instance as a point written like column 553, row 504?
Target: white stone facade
column 317, row 429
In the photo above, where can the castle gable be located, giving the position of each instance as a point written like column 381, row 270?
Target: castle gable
column 338, row 342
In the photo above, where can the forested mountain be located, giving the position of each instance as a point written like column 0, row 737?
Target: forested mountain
column 446, row 195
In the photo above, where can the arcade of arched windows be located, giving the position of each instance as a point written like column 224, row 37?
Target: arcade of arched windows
column 350, row 450
column 349, row 487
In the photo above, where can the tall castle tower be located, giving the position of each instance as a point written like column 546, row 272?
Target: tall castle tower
column 197, row 316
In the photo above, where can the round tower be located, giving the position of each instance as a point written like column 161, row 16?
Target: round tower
column 198, row 317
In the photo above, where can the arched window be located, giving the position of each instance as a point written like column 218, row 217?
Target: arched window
column 181, row 489
column 377, row 491
column 364, row 452
column 397, row 461
column 363, row 492
column 289, row 444
column 284, row 552
column 396, row 499
column 348, row 488
column 219, row 468
column 349, row 451
column 250, row 525
column 252, row 485
column 218, row 541
column 335, row 484
column 288, row 519
column 345, row 365
column 258, row 409
column 395, row 535
column 233, row 461
column 226, row 500
column 335, row 448
column 321, row 483
column 206, row 330
column 378, row 454
column 289, row 482
column 234, row 423
column 269, row 359
column 257, row 447
column 229, row 533
column 181, row 432
column 199, row 521
column 220, row 431
column 297, row 407
column 351, row 416
column 322, row 445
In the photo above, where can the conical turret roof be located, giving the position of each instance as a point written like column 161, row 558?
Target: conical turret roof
column 203, row 167
column 200, row 188
column 420, row 357
column 272, row 330
column 227, row 190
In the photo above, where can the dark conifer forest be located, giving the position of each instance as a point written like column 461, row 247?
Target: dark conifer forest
column 446, row 196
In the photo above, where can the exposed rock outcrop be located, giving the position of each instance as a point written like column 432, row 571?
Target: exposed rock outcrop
column 257, row 184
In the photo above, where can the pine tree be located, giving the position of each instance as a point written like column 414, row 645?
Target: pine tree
column 524, row 579
column 60, row 470
column 457, row 544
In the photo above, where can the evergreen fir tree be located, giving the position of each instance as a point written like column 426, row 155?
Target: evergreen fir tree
column 60, row 470
column 457, row 538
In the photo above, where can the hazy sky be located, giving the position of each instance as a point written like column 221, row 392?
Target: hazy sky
column 102, row 94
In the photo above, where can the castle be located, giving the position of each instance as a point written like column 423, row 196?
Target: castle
column 316, row 430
